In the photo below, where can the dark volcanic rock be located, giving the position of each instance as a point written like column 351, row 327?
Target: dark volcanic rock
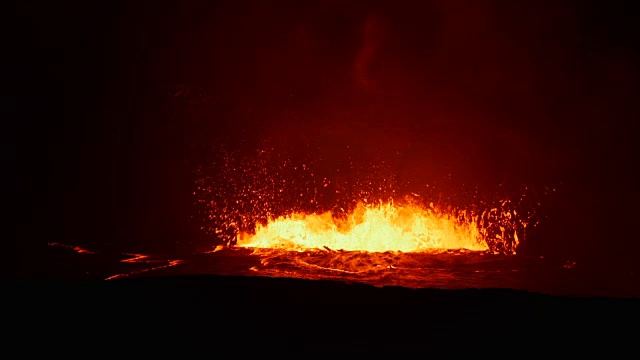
column 276, row 311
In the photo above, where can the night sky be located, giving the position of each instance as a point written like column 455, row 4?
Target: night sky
column 512, row 92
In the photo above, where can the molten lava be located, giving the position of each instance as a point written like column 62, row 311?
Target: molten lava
column 271, row 200
column 373, row 228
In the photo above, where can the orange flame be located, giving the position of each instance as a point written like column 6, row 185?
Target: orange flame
column 373, row 228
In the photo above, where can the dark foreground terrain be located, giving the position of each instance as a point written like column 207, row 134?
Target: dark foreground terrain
column 158, row 312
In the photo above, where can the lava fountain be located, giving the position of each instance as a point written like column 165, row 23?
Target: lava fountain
column 332, row 211
column 274, row 201
column 373, row 228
